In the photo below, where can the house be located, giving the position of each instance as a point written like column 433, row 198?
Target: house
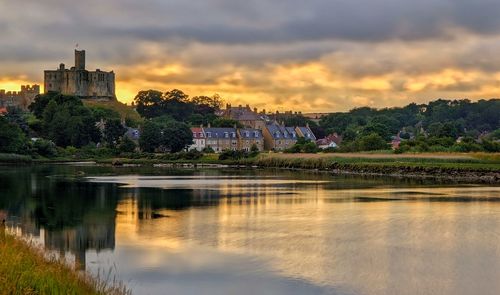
column 331, row 141
column 305, row 132
column 133, row 133
column 245, row 115
column 249, row 137
column 395, row 141
column 278, row 137
column 198, row 139
column 221, row 139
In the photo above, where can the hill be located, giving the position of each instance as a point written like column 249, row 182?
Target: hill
column 124, row 110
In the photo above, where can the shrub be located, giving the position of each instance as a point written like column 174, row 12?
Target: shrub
column 45, row 148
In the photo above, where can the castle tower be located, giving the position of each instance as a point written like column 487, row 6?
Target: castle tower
column 79, row 59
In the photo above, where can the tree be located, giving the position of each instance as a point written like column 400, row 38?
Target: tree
column 12, row 138
column 176, row 136
column 149, row 103
column 151, row 137
column 372, row 142
column 127, row 145
column 113, row 131
column 66, row 121
column 226, row 123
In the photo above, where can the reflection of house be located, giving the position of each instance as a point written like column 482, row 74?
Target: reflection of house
column 331, row 141
column 249, row 137
column 245, row 115
column 220, row 139
column 198, row 139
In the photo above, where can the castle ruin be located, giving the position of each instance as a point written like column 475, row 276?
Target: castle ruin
column 21, row 98
column 79, row 82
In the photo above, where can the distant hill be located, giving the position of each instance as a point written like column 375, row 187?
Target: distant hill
column 124, row 110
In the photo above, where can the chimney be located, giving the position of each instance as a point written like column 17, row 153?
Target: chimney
column 255, row 110
column 208, row 125
column 61, row 67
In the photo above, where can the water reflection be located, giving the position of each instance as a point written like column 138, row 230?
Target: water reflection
column 261, row 232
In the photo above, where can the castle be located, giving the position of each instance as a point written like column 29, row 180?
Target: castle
column 21, row 98
column 79, row 82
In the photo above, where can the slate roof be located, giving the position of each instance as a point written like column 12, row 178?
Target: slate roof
column 307, row 131
column 280, row 132
column 216, row 132
column 248, row 133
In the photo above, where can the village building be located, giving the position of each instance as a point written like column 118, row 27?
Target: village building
column 199, row 139
column 221, row 139
column 250, row 137
column 306, row 133
column 21, row 99
column 331, row 141
column 80, row 82
column 246, row 116
column 278, row 137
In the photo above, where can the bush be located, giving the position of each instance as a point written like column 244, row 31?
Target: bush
column 127, row 145
column 45, row 148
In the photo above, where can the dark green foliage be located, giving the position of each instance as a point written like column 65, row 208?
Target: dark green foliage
column 176, row 136
column 372, row 142
column 303, row 146
column 45, row 148
column 436, row 125
column 169, row 136
column 113, row 131
column 101, row 113
column 236, row 155
column 150, row 138
column 12, row 138
column 177, row 105
column 208, row 150
column 65, row 120
column 127, row 145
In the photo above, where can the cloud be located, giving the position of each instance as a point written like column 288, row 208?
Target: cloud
column 312, row 55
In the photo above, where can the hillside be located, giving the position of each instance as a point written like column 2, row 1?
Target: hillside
column 124, row 110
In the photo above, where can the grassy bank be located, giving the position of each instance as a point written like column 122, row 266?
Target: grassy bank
column 14, row 158
column 25, row 270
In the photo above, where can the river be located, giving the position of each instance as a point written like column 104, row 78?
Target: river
column 229, row 231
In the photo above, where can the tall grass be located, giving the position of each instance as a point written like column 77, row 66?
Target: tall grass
column 24, row 269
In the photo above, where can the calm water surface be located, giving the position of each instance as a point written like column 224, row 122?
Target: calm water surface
column 165, row 231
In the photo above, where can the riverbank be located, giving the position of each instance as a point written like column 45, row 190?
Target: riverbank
column 25, row 269
column 467, row 167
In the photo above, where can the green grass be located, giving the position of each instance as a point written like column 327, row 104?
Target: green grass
column 25, row 270
column 124, row 110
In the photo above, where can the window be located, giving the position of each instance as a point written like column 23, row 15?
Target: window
column 256, row 134
column 234, row 134
column 201, row 135
column 209, row 134
column 247, row 134
column 226, row 134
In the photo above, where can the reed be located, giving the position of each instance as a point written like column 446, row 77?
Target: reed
column 25, row 269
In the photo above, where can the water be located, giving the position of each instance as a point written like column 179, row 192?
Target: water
column 165, row 231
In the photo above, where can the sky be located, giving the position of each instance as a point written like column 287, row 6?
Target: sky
column 310, row 56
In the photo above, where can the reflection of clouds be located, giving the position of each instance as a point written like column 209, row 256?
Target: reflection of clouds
column 397, row 243
column 198, row 270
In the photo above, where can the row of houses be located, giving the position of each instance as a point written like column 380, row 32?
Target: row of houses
column 272, row 136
